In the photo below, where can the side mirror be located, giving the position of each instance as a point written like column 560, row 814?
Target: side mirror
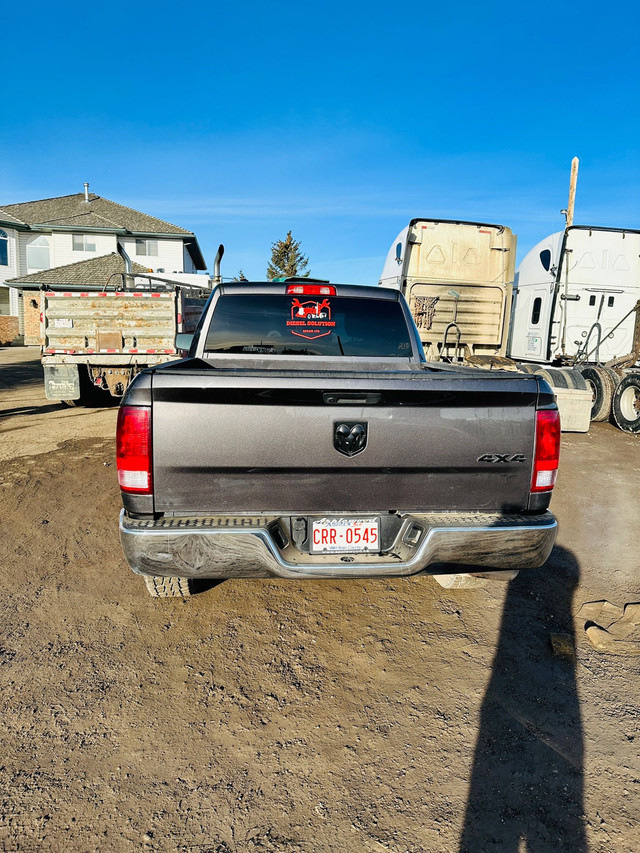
column 183, row 342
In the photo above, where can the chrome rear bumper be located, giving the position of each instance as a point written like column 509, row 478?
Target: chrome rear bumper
column 226, row 547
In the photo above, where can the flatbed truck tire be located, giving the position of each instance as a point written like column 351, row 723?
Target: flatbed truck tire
column 173, row 587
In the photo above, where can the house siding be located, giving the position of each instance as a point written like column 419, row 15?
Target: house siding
column 63, row 252
column 170, row 255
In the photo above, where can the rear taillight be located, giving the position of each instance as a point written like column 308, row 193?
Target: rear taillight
column 133, row 450
column 547, row 455
column 312, row 289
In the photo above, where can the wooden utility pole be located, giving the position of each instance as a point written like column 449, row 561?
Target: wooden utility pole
column 572, row 191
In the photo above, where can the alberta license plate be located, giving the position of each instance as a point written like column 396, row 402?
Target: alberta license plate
column 352, row 535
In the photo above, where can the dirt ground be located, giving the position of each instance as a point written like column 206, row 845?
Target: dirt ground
column 372, row 715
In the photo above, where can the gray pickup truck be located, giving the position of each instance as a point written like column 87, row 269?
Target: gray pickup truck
column 305, row 436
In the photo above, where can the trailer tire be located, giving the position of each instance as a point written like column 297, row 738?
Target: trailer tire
column 173, row 587
column 601, row 386
column 576, row 380
column 626, row 404
column 616, row 376
column 559, row 377
column 545, row 374
column 528, row 368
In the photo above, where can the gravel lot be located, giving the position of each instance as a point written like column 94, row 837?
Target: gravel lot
column 308, row 716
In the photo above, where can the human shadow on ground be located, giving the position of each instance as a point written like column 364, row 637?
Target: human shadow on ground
column 526, row 789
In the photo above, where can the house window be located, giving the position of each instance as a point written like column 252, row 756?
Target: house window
column 4, row 249
column 83, row 243
column 147, row 247
column 38, row 254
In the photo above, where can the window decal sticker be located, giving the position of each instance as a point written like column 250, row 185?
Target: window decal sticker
column 311, row 320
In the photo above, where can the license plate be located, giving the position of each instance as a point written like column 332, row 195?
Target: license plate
column 345, row 535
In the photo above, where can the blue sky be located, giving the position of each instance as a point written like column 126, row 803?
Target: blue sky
column 339, row 121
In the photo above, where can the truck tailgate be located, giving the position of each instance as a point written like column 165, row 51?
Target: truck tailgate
column 109, row 322
column 265, row 441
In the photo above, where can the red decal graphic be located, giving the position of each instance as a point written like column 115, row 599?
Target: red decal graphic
column 311, row 319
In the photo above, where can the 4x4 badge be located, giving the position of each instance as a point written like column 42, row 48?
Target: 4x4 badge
column 350, row 438
column 502, row 457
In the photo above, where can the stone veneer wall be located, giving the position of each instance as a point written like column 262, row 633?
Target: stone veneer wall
column 9, row 329
column 31, row 317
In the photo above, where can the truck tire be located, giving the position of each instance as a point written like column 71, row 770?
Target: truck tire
column 626, row 404
column 601, row 386
column 559, row 377
column 528, row 368
column 576, row 380
column 167, row 587
column 545, row 374
column 616, row 376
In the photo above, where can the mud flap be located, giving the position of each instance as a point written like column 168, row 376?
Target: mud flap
column 61, row 382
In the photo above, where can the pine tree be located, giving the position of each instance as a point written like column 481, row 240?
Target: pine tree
column 240, row 277
column 286, row 259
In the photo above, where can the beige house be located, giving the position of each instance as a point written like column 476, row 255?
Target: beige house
column 36, row 236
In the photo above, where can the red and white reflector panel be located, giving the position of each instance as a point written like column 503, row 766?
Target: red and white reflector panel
column 312, row 289
column 547, row 455
column 133, row 450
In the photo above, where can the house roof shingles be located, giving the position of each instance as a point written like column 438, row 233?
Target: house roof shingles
column 75, row 213
column 95, row 272
column 64, row 211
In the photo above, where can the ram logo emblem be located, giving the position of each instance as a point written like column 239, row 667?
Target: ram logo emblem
column 350, row 438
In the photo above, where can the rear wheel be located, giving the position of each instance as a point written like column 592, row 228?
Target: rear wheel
column 600, row 383
column 167, row 587
column 626, row 403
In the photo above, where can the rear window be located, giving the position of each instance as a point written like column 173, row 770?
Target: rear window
column 279, row 324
